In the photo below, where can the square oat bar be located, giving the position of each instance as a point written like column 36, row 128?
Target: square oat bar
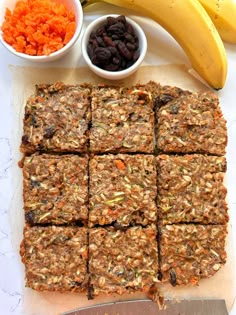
column 56, row 119
column 191, row 252
column 55, row 189
column 191, row 189
column 122, row 261
column 122, row 190
column 122, row 120
column 192, row 124
column 55, row 258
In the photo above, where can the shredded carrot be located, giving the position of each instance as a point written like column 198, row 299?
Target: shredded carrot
column 119, row 164
column 194, row 280
column 84, row 254
column 61, row 204
column 38, row 27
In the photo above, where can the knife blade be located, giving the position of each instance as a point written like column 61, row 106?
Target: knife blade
column 147, row 307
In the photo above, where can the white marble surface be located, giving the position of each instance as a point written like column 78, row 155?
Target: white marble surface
column 162, row 49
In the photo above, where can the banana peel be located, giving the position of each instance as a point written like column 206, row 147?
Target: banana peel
column 190, row 25
column 223, row 15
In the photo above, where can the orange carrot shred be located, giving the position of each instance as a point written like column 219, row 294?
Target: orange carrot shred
column 38, row 27
column 84, row 254
column 119, row 164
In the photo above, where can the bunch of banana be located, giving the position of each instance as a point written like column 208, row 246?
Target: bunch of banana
column 190, row 25
column 223, row 15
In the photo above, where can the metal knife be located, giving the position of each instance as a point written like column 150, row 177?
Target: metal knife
column 147, row 307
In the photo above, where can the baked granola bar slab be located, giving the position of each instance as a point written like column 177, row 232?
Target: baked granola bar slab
column 191, row 252
column 55, row 258
column 191, row 189
column 56, row 119
column 192, row 124
column 122, row 261
column 122, row 120
column 122, row 189
column 55, row 189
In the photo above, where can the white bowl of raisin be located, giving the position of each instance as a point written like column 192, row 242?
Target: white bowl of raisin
column 114, row 46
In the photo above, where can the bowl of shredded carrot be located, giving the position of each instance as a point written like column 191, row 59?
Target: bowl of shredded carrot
column 40, row 30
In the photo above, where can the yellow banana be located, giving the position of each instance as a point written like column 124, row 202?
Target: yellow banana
column 223, row 15
column 192, row 28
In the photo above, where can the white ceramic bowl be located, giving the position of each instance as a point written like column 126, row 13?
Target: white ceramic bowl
column 73, row 5
column 114, row 75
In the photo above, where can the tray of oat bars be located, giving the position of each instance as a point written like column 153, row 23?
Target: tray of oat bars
column 122, row 190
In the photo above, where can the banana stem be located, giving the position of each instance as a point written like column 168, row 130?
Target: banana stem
column 86, row 3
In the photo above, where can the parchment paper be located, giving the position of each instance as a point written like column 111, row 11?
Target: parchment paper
column 221, row 285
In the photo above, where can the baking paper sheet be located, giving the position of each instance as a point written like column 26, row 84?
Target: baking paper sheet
column 221, row 285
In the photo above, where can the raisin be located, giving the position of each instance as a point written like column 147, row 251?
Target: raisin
column 111, row 20
column 40, row 147
column 116, row 60
column 95, row 43
column 94, row 60
column 173, row 278
column 159, row 276
column 34, row 183
column 224, row 168
column 111, row 67
column 174, row 109
column 27, row 115
column 33, row 121
column 124, row 50
column 120, row 227
column 108, row 41
column 165, row 98
column 75, row 284
column 130, row 29
column 103, row 55
column 130, row 38
column 121, row 19
column 117, row 29
column 132, row 116
column 92, row 35
column 113, row 50
column 49, row 132
column 162, row 100
column 130, row 46
column 136, row 55
column 25, row 139
column 115, row 37
column 29, row 217
column 100, row 30
column 90, row 50
column 90, row 292
column 100, row 41
column 123, row 64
